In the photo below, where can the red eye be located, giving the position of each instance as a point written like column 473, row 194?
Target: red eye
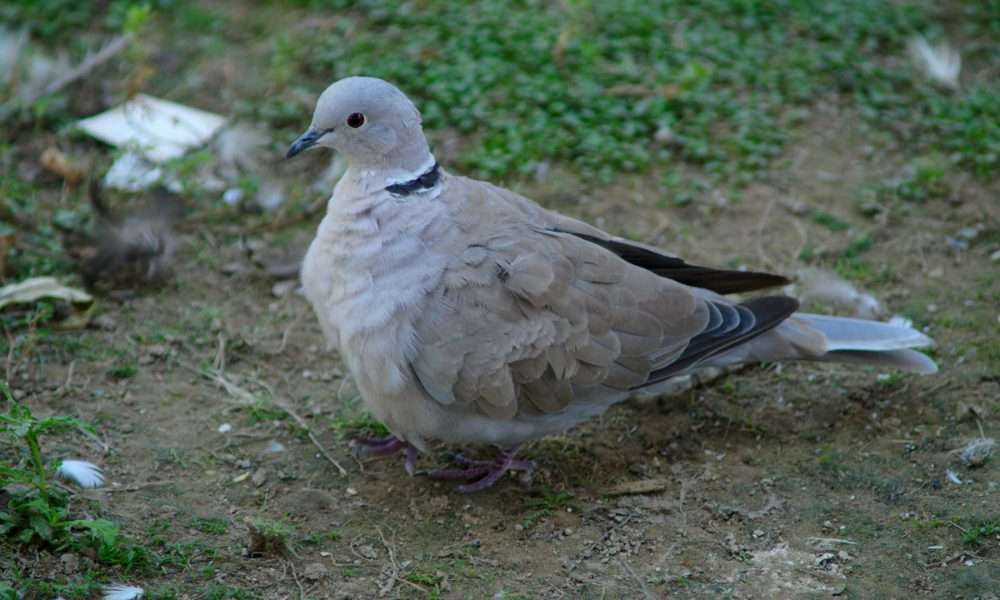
column 355, row 120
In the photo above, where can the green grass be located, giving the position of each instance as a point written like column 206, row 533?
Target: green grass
column 590, row 83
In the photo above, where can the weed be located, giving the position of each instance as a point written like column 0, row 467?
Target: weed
column 213, row 525
column 271, row 537
column 433, row 580
column 38, row 508
column 363, row 424
column 547, row 503
column 979, row 529
column 122, row 371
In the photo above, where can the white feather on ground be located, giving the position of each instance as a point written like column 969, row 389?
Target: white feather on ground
column 118, row 591
column 85, row 474
column 818, row 287
column 941, row 62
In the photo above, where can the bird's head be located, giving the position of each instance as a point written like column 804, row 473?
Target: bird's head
column 368, row 120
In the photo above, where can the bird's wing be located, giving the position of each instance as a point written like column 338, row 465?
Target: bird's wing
column 526, row 313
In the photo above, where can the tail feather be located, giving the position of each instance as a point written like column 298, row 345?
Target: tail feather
column 844, row 333
column 805, row 336
column 904, row 360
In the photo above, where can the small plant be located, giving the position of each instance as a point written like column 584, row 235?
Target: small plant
column 980, row 529
column 547, row 504
column 38, row 508
column 215, row 525
column 271, row 537
column 432, row 580
column 361, row 425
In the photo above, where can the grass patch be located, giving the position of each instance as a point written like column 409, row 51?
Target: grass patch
column 618, row 86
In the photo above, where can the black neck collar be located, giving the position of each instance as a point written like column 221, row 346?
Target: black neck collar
column 426, row 181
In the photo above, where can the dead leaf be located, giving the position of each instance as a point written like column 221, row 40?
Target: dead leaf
column 58, row 162
column 6, row 241
column 644, row 486
column 74, row 307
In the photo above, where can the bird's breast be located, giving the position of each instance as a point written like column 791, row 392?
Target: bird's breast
column 366, row 274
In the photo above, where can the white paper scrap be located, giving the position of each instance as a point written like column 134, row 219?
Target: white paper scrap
column 160, row 129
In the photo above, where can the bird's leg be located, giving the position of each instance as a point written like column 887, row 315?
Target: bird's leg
column 367, row 446
column 484, row 472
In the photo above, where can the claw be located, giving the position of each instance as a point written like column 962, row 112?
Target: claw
column 378, row 446
column 484, row 472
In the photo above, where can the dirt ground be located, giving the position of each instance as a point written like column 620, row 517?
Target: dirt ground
column 790, row 481
column 774, row 481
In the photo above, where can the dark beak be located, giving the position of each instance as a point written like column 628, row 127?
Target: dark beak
column 306, row 140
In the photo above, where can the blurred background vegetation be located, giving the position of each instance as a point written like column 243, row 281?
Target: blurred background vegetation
column 584, row 83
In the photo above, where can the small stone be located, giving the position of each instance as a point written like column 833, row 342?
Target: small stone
column 664, row 135
column 259, row 477
column 157, row 350
column 225, row 428
column 281, row 289
column 233, row 196
column 314, row 571
column 274, row 447
column 69, row 563
column 106, row 322
column 844, row 556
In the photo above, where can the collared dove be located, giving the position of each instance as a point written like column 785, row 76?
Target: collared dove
column 468, row 314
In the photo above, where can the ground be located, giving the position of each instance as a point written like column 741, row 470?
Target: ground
column 772, row 481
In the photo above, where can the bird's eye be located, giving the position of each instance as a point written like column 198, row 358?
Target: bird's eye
column 355, row 120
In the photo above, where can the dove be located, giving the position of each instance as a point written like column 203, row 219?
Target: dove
column 469, row 315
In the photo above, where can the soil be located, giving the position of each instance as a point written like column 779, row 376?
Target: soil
column 774, row 481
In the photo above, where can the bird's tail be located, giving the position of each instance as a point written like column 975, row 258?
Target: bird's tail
column 805, row 336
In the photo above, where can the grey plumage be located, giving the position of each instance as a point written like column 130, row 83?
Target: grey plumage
column 469, row 314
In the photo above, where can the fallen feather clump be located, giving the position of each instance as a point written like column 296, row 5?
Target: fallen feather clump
column 136, row 249
column 118, row 591
column 941, row 63
column 821, row 287
column 977, row 452
column 85, row 474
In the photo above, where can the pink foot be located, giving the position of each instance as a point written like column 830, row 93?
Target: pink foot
column 484, row 472
column 368, row 447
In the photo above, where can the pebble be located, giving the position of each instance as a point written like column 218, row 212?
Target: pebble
column 70, row 563
column 274, row 447
column 314, row 571
column 259, row 477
